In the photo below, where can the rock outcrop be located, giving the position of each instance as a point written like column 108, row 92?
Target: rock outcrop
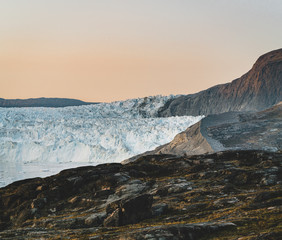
column 225, row 195
column 260, row 130
column 190, row 141
column 129, row 211
column 258, row 89
column 232, row 130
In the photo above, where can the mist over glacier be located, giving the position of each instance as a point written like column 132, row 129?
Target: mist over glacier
column 37, row 142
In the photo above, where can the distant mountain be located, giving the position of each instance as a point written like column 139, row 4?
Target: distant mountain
column 256, row 90
column 42, row 102
column 227, row 131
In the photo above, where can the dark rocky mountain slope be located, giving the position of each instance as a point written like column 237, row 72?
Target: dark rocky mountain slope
column 256, row 90
column 42, row 102
column 225, row 195
column 232, row 130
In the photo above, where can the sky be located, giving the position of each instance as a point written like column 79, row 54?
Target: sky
column 108, row 50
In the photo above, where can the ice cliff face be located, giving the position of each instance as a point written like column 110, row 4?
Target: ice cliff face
column 43, row 141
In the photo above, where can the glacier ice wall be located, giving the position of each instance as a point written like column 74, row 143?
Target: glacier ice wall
column 47, row 140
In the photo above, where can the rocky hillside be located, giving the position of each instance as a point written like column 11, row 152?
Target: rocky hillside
column 256, row 90
column 226, row 195
column 233, row 130
column 41, row 102
column 261, row 130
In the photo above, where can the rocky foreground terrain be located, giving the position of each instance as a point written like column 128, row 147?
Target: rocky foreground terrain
column 225, row 195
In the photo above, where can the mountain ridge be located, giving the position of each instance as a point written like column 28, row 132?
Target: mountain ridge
column 258, row 89
column 42, row 102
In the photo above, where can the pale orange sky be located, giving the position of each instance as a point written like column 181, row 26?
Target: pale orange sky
column 119, row 49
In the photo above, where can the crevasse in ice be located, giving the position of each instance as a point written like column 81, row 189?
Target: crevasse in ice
column 43, row 141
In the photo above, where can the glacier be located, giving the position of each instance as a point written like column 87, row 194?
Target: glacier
column 37, row 142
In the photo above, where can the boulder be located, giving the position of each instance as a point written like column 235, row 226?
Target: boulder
column 159, row 209
column 129, row 211
column 114, row 219
column 95, row 219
